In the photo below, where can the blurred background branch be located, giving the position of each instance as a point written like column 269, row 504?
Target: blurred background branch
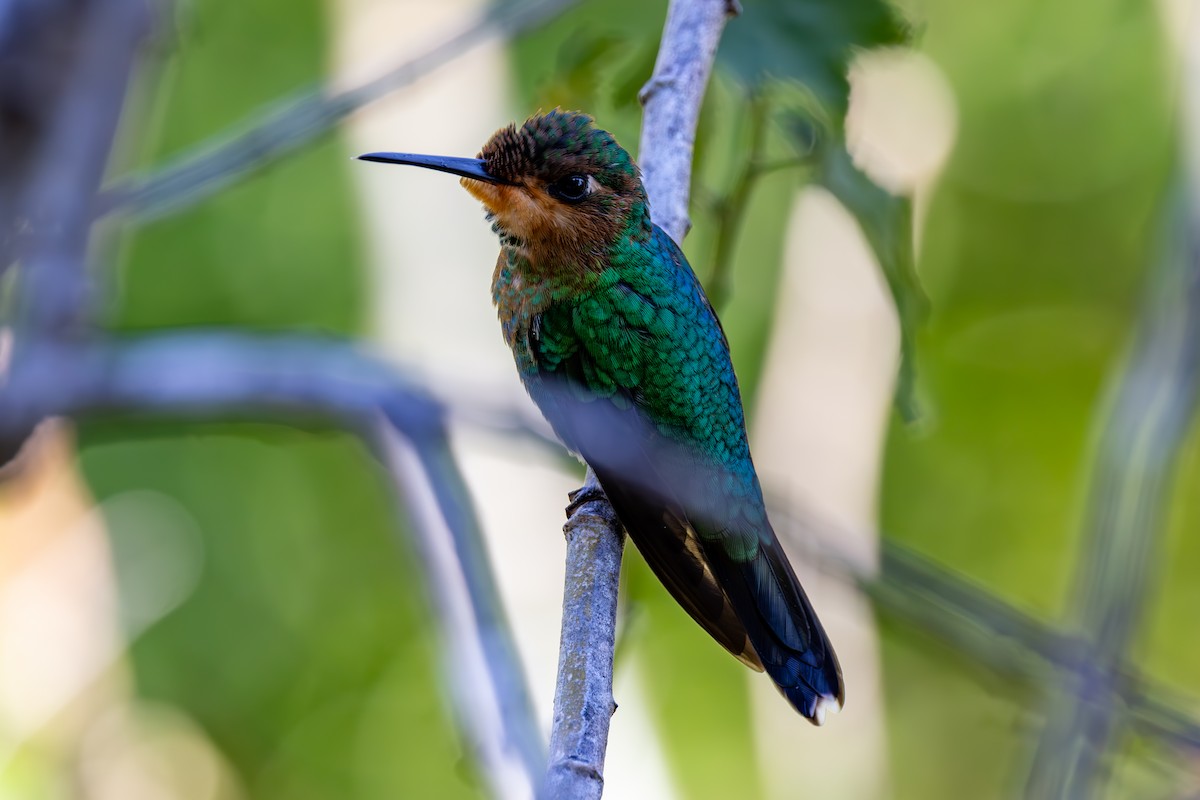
column 1153, row 408
column 288, row 124
column 479, row 654
column 990, row 633
column 57, row 369
column 66, row 71
column 71, row 153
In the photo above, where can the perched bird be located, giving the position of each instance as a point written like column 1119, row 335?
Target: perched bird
column 617, row 344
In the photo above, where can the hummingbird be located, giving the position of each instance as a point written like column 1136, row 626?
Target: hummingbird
column 617, row 344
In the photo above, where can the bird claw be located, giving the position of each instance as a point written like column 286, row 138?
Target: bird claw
column 583, row 495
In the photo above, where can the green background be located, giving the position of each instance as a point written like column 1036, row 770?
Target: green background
column 306, row 651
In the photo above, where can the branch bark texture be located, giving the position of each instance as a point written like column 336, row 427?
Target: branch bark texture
column 672, row 100
column 583, row 701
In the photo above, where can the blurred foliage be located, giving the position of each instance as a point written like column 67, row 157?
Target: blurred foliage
column 887, row 222
column 1034, row 250
column 306, row 645
column 268, row 253
column 761, row 52
column 304, row 648
column 809, row 42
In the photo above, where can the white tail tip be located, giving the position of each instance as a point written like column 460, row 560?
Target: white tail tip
column 825, row 703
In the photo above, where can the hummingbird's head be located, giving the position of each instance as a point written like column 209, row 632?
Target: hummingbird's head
column 558, row 189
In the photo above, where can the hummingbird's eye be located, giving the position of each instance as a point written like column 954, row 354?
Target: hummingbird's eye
column 572, row 188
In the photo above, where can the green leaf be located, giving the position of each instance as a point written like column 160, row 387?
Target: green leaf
column 306, row 652
column 886, row 221
column 808, row 41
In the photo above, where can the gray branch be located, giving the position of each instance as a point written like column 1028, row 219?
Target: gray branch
column 70, row 159
column 1154, row 404
column 583, row 699
column 672, row 100
column 203, row 374
column 982, row 627
column 288, row 125
column 208, row 375
column 488, row 689
column 64, row 69
column 583, row 702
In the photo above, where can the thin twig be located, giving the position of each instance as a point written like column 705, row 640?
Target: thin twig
column 503, row 661
column 731, row 207
column 286, row 126
column 983, row 628
column 583, row 692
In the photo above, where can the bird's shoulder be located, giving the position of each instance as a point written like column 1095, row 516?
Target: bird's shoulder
column 647, row 302
column 644, row 336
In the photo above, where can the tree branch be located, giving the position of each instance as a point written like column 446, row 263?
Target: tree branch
column 583, row 699
column 489, row 692
column 672, row 100
column 1154, row 404
column 65, row 71
column 583, row 703
column 286, row 126
column 730, row 209
column 983, row 628
column 71, row 158
column 215, row 374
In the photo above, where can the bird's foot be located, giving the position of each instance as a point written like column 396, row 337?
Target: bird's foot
column 585, row 494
